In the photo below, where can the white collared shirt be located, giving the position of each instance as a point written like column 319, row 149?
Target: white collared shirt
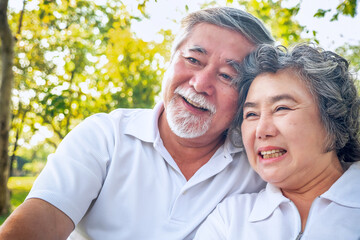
column 269, row 215
column 114, row 178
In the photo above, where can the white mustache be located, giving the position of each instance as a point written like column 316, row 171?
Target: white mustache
column 196, row 98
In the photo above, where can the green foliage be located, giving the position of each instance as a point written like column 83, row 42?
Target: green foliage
column 135, row 69
column 76, row 58
column 33, row 168
column 351, row 53
column 279, row 19
column 20, row 188
column 321, row 13
column 347, row 8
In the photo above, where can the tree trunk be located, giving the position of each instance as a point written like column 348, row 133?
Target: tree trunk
column 6, row 81
column 19, row 130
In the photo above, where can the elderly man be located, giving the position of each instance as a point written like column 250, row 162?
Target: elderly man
column 153, row 174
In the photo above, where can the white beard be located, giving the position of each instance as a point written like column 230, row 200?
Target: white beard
column 183, row 123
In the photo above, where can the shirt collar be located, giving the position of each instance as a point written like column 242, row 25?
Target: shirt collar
column 144, row 125
column 149, row 129
column 346, row 190
column 266, row 203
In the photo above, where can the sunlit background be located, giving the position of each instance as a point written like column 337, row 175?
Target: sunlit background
column 165, row 14
column 34, row 85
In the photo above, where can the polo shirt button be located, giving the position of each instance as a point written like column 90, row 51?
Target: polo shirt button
column 184, row 192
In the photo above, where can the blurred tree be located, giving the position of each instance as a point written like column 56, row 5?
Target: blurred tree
column 278, row 18
column 75, row 58
column 351, row 52
column 6, row 81
column 346, row 7
column 65, row 52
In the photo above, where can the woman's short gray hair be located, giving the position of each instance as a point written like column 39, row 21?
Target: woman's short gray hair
column 328, row 78
column 234, row 19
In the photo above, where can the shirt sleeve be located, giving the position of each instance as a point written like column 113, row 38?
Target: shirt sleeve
column 74, row 174
column 213, row 228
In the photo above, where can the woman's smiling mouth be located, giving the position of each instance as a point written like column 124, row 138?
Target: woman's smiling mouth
column 272, row 153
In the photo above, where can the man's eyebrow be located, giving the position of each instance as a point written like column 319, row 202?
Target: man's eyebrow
column 198, row 49
column 231, row 62
column 273, row 99
column 234, row 64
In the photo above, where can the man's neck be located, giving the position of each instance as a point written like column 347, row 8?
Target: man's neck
column 189, row 154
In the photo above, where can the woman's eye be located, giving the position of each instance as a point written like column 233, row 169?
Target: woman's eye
column 249, row 115
column 281, row 108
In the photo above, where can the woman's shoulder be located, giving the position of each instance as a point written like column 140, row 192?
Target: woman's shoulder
column 243, row 203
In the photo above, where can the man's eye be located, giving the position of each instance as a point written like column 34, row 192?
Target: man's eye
column 193, row 60
column 226, row 77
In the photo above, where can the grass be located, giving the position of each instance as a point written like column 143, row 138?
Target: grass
column 19, row 187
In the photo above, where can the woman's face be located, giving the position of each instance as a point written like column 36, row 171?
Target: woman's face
column 282, row 132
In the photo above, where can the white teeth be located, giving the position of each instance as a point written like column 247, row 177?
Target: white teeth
column 195, row 99
column 195, row 104
column 272, row 153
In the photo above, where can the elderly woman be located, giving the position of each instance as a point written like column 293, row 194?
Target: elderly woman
column 299, row 126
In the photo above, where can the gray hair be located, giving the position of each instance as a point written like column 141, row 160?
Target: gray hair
column 328, row 78
column 234, row 19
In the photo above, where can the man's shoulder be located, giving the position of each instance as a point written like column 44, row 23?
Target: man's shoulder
column 121, row 115
column 129, row 111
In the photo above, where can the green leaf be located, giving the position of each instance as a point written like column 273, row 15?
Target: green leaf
column 321, row 13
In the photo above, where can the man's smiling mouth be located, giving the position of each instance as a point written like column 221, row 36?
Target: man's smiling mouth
column 195, row 105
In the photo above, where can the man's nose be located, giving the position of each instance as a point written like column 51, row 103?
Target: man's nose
column 265, row 128
column 204, row 81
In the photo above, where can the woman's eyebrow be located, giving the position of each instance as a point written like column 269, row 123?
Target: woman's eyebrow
column 282, row 97
column 249, row 104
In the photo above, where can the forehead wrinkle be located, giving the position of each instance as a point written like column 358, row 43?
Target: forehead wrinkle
column 272, row 100
column 282, row 97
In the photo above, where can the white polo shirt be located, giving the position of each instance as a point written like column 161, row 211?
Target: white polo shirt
column 113, row 177
column 269, row 215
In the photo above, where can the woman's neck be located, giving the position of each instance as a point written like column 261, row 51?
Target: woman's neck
column 304, row 196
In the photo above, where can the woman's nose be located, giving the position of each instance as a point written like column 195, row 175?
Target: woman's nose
column 265, row 128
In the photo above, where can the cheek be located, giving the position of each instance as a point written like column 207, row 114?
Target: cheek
column 248, row 139
column 169, row 83
column 228, row 101
column 302, row 132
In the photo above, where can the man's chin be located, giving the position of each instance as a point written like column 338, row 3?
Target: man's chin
column 189, row 132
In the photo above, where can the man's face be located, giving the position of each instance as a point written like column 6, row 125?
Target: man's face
column 199, row 98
